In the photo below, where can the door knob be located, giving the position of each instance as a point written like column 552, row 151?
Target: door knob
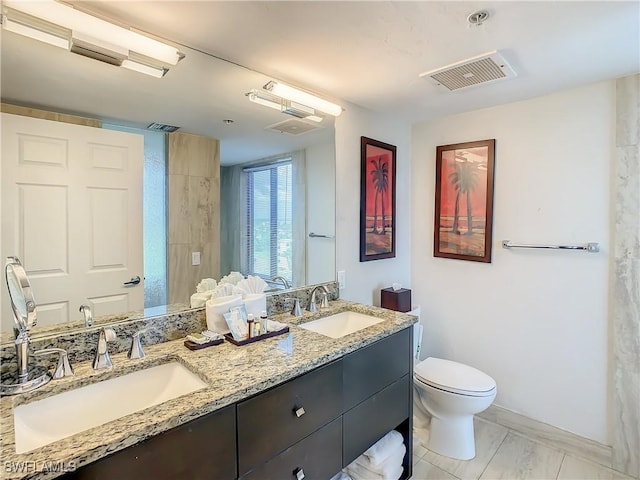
column 134, row 281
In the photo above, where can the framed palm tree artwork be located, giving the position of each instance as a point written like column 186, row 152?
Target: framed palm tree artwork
column 377, row 200
column 464, row 201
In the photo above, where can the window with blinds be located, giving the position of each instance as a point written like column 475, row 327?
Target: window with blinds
column 269, row 220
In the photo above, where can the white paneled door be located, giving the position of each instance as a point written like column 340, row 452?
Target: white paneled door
column 72, row 213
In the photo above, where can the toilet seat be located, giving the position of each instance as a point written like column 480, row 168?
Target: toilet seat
column 454, row 377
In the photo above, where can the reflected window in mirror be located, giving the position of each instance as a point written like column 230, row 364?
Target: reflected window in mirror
column 268, row 213
column 154, row 214
column 269, row 221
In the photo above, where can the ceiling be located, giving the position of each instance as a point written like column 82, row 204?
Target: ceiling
column 363, row 53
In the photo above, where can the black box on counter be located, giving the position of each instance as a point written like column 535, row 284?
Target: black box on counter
column 398, row 300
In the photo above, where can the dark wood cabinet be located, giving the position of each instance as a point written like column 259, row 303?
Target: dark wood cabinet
column 317, row 457
column 272, row 421
column 389, row 408
column 318, row 422
column 204, row 448
column 378, row 396
column 370, row 369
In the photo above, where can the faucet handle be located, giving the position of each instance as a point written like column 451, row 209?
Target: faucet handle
column 296, row 310
column 63, row 369
column 136, row 351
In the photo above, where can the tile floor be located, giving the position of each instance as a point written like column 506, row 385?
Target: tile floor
column 504, row 454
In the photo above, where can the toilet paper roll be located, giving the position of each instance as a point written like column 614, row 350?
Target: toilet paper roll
column 255, row 303
column 216, row 308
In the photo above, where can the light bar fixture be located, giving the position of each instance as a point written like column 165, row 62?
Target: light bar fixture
column 294, row 109
column 28, row 26
column 64, row 26
column 304, row 98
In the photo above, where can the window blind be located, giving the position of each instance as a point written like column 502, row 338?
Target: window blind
column 269, row 219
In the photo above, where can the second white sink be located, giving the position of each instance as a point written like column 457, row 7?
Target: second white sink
column 341, row 324
column 59, row 416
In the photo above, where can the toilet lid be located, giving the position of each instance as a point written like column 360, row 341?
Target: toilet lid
column 453, row 377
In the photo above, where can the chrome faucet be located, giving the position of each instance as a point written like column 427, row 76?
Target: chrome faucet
column 283, row 280
column 136, row 351
column 88, row 315
column 102, row 358
column 324, row 303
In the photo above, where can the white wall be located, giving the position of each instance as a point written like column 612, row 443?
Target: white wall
column 321, row 204
column 535, row 320
column 365, row 279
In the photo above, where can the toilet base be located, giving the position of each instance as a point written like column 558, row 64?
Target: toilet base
column 452, row 437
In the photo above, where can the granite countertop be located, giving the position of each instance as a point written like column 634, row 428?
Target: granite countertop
column 233, row 373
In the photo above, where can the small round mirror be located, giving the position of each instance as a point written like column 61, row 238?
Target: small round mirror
column 22, row 302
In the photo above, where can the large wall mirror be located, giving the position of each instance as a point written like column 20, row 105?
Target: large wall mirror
column 206, row 98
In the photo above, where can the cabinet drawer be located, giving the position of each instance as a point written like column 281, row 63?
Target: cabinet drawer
column 372, row 368
column 367, row 423
column 319, row 456
column 268, row 423
column 202, row 449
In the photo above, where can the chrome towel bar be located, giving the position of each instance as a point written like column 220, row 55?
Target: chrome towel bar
column 591, row 247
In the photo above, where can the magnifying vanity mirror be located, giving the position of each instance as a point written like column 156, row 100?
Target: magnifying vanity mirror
column 205, row 97
column 25, row 378
column 20, row 296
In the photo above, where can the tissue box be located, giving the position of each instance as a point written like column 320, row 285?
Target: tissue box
column 398, row 300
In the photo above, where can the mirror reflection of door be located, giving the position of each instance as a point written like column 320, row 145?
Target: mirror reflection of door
column 72, row 195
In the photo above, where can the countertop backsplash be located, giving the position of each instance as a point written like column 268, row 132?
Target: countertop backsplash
column 80, row 344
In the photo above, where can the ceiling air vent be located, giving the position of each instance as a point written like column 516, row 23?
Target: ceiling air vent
column 160, row 127
column 486, row 68
column 293, row 126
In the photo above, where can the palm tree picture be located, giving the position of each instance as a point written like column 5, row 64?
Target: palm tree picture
column 380, row 179
column 464, row 179
column 464, row 201
column 377, row 200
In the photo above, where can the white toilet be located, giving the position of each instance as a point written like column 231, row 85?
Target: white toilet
column 446, row 397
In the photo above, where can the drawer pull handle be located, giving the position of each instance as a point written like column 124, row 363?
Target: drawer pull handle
column 299, row 473
column 299, row 411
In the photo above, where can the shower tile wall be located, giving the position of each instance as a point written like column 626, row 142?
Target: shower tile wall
column 626, row 296
column 194, row 204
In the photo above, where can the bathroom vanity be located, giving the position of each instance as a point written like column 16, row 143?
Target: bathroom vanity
column 301, row 405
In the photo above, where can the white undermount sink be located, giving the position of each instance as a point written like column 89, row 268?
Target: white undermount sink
column 341, row 324
column 59, row 416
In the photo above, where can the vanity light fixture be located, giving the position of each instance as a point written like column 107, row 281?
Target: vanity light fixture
column 283, row 105
column 304, row 98
column 64, row 26
column 28, row 26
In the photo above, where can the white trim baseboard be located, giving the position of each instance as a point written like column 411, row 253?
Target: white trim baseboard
column 550, row 435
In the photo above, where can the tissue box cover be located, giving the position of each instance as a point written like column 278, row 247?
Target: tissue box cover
column 398, row 300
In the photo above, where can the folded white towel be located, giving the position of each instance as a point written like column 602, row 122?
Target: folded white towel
column 216, row 308
column 200, row 298
column 358, row 472
column 224, row 290
column 205, row 285
column 273, row 326
column 255, row 303
column 341, row 475
column 380, row 450
column 252, row 284
column 389, row 465
column 232, row 278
